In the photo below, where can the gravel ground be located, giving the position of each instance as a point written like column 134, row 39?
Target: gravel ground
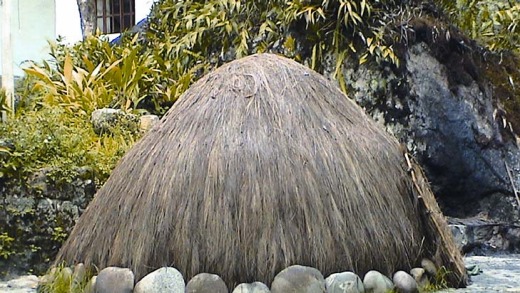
column 24, row 284
column 500, row 273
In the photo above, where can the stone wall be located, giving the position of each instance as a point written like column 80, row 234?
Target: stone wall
column 36, row 216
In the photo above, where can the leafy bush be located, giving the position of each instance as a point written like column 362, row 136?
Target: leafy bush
column 3, row 100
column 61, row 280
column 53, row 138
column 493, row 22
column 6, row 243
column 94, row 74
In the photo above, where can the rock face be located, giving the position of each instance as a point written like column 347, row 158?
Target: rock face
column 36, row 217
column 455, row 131
column 481, row 237
column 442, row 107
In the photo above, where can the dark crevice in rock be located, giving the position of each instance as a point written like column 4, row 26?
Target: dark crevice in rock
column 36, row 216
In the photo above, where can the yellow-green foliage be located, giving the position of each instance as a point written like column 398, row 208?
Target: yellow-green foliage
column 94, row 74
column 494, row 22
column 3, row 100
column 187, row 38
column 6, row 245
column 52, row 137
column 61, row 280
column 439, row 283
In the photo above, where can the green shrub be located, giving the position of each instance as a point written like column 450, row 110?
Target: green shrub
column 6, row 245
column 495, row 23
column 94, row 74
column 3, row 100
column 53, row 138
column 60, row 280
column 51, row 129
column 186, row 39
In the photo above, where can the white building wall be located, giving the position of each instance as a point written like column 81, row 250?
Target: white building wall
column 69, row 24
column 33, row 23
column 142, row 8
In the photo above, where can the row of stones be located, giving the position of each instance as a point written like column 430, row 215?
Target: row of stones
column 292, row 279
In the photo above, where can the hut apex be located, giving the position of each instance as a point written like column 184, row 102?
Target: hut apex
column 260, row 165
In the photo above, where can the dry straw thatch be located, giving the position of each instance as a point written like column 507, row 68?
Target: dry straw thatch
column 260, row 165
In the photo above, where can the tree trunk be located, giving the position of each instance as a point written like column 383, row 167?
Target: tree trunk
column 87, row 13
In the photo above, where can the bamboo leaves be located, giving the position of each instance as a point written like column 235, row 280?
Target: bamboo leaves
column 495, row 23
column 101, row 78
column 222, row 30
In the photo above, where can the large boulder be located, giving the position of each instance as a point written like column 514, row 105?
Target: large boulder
column 454, row 105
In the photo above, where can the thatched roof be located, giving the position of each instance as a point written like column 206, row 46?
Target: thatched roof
column 260, row 165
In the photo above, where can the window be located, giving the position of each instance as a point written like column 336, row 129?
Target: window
column 115, row 16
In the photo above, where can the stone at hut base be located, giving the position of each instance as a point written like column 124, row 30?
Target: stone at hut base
column 375, row 282
column 66, row 273
column 206, row 283
column 80, row 273
column 161, row 280
column 114, row 280
column 346, row 282
column 420, row 276
column 49, row 277
column 298, row 279
column 429, row 267
column 256, row 287
column 89, row 288
column 404, row 283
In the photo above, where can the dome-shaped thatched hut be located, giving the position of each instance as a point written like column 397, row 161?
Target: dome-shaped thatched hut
column 260, row 165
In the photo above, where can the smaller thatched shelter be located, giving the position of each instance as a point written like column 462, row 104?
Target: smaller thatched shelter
column 260, row 165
